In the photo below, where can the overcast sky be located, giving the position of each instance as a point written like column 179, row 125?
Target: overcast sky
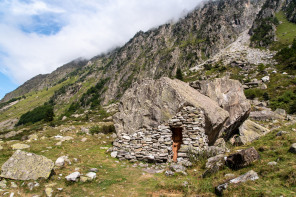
column 37, row 36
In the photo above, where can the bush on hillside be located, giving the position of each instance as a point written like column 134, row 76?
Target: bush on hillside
column 40, row 113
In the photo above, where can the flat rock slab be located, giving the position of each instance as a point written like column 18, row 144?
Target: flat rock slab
column 20, row 146
column 26, row 166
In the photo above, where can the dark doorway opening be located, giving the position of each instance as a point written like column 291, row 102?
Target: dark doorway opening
column 177, row 141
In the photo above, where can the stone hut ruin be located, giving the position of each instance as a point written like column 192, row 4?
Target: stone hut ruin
column 164, row 120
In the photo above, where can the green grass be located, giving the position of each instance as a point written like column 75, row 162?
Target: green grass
column 33, row 100
column 286, row 31
column 119, row 178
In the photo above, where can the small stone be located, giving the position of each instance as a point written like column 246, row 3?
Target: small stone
column 48, row 192
column 169, row 173
column 229, row 176
column 1, row 147
column 293, row 148
column 58, row 144
column 93, row 170
column 3, row 184
column 84, row 139
column 61, row 161
column 281, row 133
column 114, row 154
column 91, row 175
column 13, row 185
column 73, row 177
column 83, row 179
column 272, row 163
column 20, row 146
column 11, row 194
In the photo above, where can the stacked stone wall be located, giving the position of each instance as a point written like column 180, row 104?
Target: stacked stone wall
column 155, row 144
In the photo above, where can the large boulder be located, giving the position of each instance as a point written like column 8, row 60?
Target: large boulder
column 153, row 102
column 250, row 131
column 242, row 158
column 26, row 166
column 229, row 94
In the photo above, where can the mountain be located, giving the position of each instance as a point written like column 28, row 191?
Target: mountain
column 212, row 38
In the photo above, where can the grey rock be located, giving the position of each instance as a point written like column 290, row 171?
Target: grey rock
column 214, row 164
column 272, row 163
column 26, row 166
column 229, row 94
column 293, row 148
column 250, row 131
column 61, row 161
column 177, row 168
column 91, row 175
column 48, row 191
column 242, row 158
column 169, row 173
column 73, row 177
column 281, row 133
column 152, row 102
column 249, row 176
column 281, row 112
column 3, row 184
column 20, row 146
column 114, row 154
column 93, row 170
column 265, row 114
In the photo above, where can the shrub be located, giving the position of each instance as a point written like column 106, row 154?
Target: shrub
column 106, row 129
column 44, row 112
column 253, row 93
column 179, row 74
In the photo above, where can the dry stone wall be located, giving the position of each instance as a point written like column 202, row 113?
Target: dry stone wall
column 155, row 144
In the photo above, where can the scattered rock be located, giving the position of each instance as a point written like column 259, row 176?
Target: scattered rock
column 281, row 112
column 177, row 168
column 73, row 177
column 272, row 163
column 169, row 173
column 265, row 79
column 3, row 184
column 84, row 139
column 91, row 175
column 48, row 192
column 214, row 164
column 229, row 176
column 20, row 146
column 1, row 147
column 114, row 154
column 32, row 185
column 250, row 131
column 93, row 170
column 33, row 137
column 13, row 185
column 83, row 179
column 27, row 166
column 249, row 176
column 60, row 162
column 280, row 133
column 293, row 148
column 242, row 158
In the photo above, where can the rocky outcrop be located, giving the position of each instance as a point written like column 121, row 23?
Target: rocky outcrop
column 152, row 103
column 263, row 31
column 250, row 131
column 214, row 164
column 229, row 94
column 242, row 158
column 290, row 9
column 26, row 166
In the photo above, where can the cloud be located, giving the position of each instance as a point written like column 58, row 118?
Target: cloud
column 37, row 36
